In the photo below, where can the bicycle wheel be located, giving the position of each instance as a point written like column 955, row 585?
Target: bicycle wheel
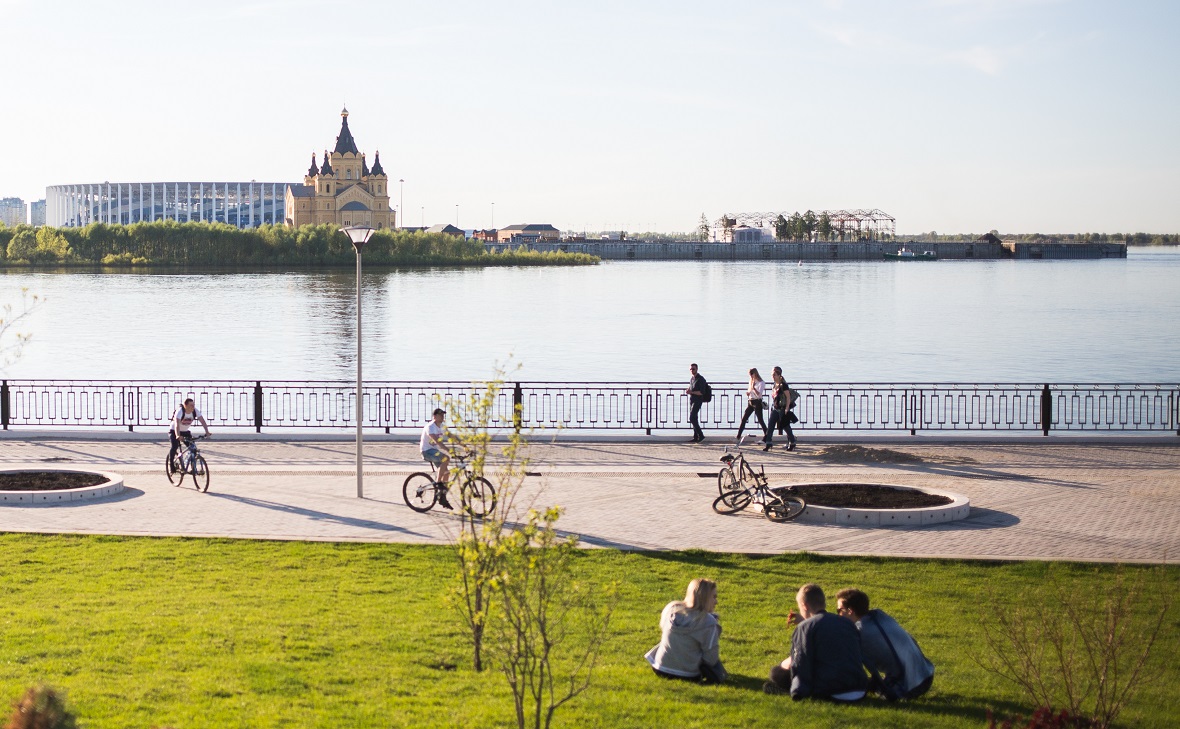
column 732, row 502
column 479, row 498
column 727, row 481
column 420, row 492
column 783, row 508
column 200, row 474
column 172, row 471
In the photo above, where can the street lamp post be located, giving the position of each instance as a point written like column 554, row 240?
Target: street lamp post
column 493, row 216
column 401, row 202
column 359, row 235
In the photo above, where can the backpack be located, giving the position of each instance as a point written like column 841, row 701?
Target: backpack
column 794, row 398
column 707, row 393
column 781, row 398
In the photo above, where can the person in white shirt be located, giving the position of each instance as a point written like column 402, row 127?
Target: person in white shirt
column 435, row 451
column 755, row 393
column 182, row 420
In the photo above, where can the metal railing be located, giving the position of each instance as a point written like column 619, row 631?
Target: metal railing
column 610, row 406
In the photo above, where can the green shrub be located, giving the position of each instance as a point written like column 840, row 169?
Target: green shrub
column 23, row 245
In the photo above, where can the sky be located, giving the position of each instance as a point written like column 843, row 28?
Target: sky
column 1048, row 116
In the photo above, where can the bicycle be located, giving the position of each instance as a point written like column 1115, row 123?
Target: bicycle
column 745, row 486
column 188, row 460
column 736, row 473
column 477, row 497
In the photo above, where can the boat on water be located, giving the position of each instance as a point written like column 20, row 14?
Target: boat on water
column 905, row 254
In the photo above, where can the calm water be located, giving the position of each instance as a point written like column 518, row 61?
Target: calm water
column 987, row 321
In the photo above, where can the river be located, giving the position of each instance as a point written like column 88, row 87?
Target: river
column 1115, row 320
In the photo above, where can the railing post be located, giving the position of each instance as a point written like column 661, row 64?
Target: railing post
column 517, row 406
column 1046, row 410
column 4, row 416
column 257, row 406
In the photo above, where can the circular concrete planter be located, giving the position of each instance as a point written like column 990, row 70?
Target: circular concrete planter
column 959, row 508
column 112, row 486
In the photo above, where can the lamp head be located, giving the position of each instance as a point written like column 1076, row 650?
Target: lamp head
column 358, row 235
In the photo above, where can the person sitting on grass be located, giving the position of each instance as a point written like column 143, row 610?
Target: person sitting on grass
column 689, row 645
column 825, row 660
column 435, row 451
column 897, row 667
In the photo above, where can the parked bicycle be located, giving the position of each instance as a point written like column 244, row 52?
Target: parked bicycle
column 737, row 472
column 477, row 497
column 740, row 485
column 188, row 461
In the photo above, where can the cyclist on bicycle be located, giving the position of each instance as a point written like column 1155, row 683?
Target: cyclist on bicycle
column 181, row 422
column 435, row 451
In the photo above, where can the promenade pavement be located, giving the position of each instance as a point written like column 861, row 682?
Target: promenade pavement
column 1103, row 500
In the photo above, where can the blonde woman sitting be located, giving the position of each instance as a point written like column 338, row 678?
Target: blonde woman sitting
column 688, row 648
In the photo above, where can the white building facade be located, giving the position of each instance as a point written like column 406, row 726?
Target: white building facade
column 242, row 204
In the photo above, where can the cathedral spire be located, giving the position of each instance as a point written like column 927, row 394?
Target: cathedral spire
column 364, row 166
column 377, row 164
column 327, row 168
column 344, row 141
column 314, row 169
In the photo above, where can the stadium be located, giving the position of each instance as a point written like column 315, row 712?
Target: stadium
column 244, row 204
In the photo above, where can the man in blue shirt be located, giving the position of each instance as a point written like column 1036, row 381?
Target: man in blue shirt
column 825, row 660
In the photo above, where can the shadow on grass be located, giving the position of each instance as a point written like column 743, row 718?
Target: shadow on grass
column 933, row 704
column 940, row 704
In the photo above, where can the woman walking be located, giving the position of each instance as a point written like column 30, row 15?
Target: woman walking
column 755, row 394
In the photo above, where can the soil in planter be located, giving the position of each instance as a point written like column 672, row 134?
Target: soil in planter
column 48, row 480
column 860, row 496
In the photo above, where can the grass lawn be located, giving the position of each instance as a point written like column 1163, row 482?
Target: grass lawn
column 143, row 632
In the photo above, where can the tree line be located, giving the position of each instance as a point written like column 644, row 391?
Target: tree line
column 170, row 243
column 798, row 226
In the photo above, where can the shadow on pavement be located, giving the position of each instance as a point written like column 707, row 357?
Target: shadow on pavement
column 321, row 515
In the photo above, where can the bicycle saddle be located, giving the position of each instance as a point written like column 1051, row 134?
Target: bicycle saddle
column 727, row 458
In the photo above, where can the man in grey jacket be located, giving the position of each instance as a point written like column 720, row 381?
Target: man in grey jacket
column 898, row 667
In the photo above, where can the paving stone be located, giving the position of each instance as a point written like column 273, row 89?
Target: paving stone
column 1073, row 501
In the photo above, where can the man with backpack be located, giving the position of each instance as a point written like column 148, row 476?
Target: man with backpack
column 782, row 404
column 699, row 392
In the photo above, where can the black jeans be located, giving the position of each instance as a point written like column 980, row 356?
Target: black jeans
column 175, row 444
column 779, row 418
column 754, row 408
column 694, row 417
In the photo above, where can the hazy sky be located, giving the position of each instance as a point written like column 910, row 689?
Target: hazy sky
column 951, row 115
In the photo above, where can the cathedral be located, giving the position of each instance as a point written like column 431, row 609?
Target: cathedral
column 343, row 190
